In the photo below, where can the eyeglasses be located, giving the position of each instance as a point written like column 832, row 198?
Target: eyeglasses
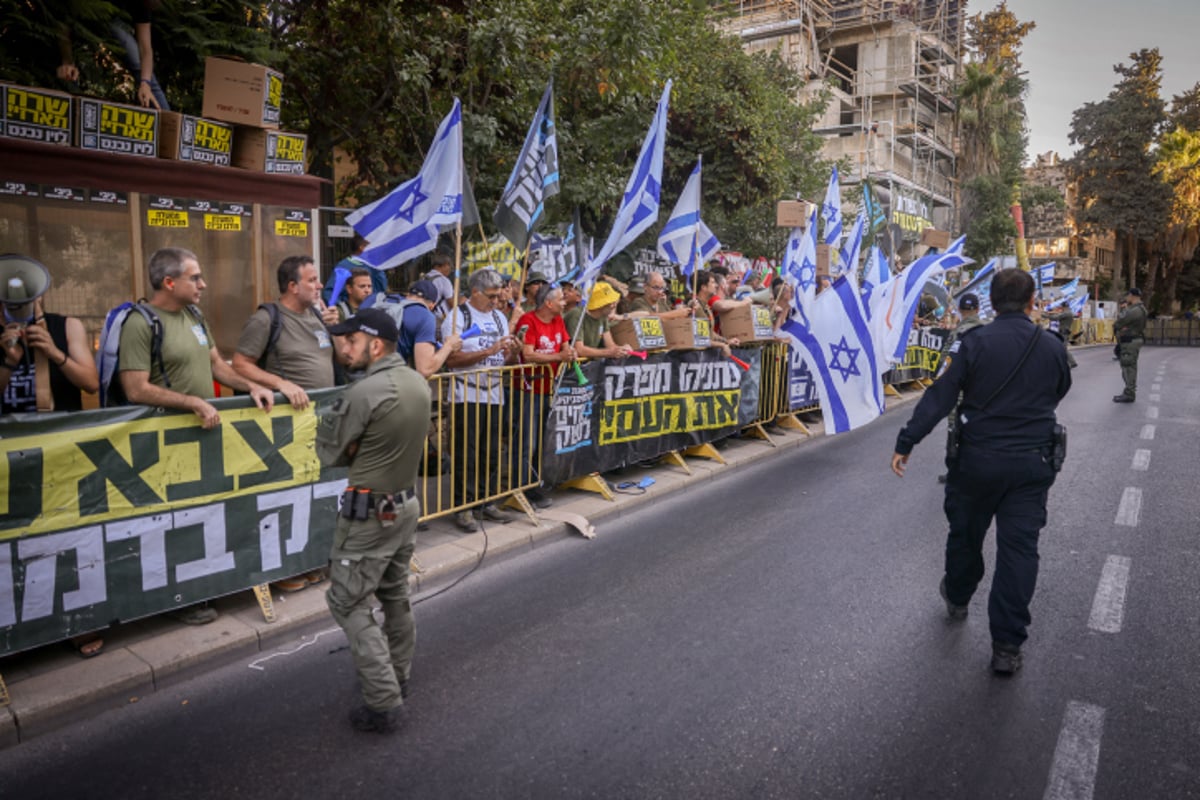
column 492, row 295
column 658, row 287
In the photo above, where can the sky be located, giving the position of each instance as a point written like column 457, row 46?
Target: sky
column 1069, row 56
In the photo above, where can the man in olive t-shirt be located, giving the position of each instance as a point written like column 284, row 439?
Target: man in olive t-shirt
column 189, row 357
column 302, row 357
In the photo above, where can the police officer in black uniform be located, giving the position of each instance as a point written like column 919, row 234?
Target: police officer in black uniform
column 1012, row 375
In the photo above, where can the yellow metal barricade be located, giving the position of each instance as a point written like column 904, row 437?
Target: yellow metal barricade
column 476, row 451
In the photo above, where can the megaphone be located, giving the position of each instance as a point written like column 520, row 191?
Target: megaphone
column 22, row 280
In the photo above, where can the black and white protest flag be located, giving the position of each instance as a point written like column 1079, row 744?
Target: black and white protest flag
column 534, row 177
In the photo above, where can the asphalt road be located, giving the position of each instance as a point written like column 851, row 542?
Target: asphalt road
column 775, row 634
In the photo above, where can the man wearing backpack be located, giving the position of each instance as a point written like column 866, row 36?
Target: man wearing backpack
column 182, row 375
column 288, row 348
column 478, row 396
column 174, row 367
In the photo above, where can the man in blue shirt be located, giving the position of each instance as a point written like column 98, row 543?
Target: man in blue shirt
column 418, row 343
column 379, row 284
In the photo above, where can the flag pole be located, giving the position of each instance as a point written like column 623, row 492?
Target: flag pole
column 457, row 275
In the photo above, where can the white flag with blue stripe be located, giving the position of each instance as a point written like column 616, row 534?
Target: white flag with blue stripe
column 799, row 266
column 639, row 205
column 1077, row 303
column 831, row 216
column 895, row 304
column 685, row 237
column 406, row 222
column 1042, row 275
column 835, row 342
column 853, row 248
column 876, row 273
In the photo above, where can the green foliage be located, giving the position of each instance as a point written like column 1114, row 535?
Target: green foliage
column 1034, row 196
column 369, row 82
column 988, row 224
column 1115, row 161
column 184, row 33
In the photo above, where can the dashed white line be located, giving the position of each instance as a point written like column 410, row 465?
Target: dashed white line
column 1155, row 387
column 1147, row 431
column 1155, row 398
column 1131, row 506
column 1152, row 412
column 1077, row 754
column 1141, row 460
column 1108, row 606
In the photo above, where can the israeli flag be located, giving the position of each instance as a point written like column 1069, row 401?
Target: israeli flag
column 800, row 263
column 831, row 214
column 876, row 273
column 853, row 246
column 639, row 206
column 895, row 304
column 1069, row 288
column 835, row 342
column 406, row 222
column 1077, row 303
column 984, row 275
column 1043, row 275
column 685, row 238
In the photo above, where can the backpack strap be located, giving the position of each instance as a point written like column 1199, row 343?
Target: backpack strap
column 156, row 337
column 272, row 310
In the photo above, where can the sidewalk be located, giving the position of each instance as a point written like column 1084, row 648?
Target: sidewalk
column 52, row 687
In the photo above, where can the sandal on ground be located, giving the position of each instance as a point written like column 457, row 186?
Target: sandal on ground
column 88, row 645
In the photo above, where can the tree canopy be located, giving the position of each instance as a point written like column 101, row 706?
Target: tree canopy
column 368, row 83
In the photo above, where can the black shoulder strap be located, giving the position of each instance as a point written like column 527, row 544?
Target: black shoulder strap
column 1037, row 332
column 273, row 331
column 156, row 339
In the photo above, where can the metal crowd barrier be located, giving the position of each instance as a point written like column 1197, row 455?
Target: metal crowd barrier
column 1177, row 332
column 475, row 453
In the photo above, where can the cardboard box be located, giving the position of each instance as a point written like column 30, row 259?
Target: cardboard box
column 747, row 323
column 116, row 128
column 688, row 333
column 276, row 152
column 242, row 93
column 932, row 237
column 792, row 214
column 36, row 115
column 640, row 333
column 186, row 138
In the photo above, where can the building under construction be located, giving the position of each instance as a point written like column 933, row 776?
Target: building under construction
column 891, row 67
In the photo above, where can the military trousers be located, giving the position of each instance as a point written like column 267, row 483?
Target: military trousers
column 1011, row 488
column 1127, row 353
column 369, row 560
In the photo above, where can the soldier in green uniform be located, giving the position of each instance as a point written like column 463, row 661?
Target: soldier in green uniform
column 1060, row 321
column 1130, row 329
column 378, row 429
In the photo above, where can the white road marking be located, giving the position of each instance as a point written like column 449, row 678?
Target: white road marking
column 304, row 643
column 1141, row 460
column 1155, row 387
column 1131, row 506
column 1147, row 431
column 1108, row 606
column 1077, row 754
column 1155, row 398
column 1152, row 412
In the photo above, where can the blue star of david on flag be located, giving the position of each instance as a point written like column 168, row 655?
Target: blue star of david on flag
column 836, row 351
column 406, row 222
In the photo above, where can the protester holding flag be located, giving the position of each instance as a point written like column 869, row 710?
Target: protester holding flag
column 592, row 337
column 1011, row 376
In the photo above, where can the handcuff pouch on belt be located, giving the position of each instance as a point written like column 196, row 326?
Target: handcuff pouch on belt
column 357, row 503
column 1058, row 447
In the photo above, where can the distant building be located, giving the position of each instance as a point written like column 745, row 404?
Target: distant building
column 892, row 66
column 1052, row 233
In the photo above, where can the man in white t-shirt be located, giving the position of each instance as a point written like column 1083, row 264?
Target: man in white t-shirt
column 478, row 396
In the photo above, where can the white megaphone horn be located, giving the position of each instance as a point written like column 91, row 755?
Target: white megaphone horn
column 22, row 280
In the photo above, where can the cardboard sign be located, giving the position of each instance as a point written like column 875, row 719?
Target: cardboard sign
column 791, row 214
column 747, row 323
column 36, row 115
column 116, row 128
column 241, row 93
column 687, row 333
column 202, row 141
column 275, row 152
column 640, row 333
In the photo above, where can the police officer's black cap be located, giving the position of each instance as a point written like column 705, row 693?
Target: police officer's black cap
column 968, row 302
column 1135, row 291
column 373, row 321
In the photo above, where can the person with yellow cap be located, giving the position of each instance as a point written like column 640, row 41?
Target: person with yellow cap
column 592, row 338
